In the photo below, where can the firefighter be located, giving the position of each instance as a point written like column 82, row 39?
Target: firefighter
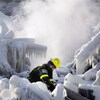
column 44, row 73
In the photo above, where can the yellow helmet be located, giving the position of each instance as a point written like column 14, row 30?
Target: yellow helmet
column 56, row 62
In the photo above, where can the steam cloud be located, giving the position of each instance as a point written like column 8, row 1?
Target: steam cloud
column 62, row 25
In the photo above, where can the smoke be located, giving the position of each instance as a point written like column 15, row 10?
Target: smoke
column 62, row 25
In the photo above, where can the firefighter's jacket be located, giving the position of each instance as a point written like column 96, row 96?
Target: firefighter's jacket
column 42, row 73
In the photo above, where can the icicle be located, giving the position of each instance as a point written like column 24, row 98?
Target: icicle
column 90, row 49
column 97, row 81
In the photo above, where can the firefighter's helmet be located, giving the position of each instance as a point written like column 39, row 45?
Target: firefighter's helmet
column 56, row 62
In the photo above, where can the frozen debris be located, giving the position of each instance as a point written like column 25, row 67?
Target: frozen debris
column 84, row 56
column 8, row 35
column 62, row 71
column 97, row 81
column 72, row 82
column 5, row 33
column 34, row 93
column 23, row 74
column 96, row 29
column 5, row 94
column 57, row 78
column 3, row 28
column 6, row 19
column 5, row 67
column 90, row 91
column 4, row 84
column 16, row 53
column 74, row 96
column 21, row 88
column 17, row 88
column 58, row 92
column 90, row 75
column 21, row 51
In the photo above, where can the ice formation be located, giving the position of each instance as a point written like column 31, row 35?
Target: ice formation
column 84, row 71
column 15, row 54
column 88, row 52
column 17, row 88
